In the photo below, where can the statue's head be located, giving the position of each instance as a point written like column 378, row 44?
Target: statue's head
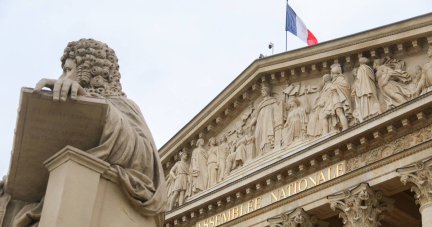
column 336, row 68
column 223, row 138
column 183, row 155
column 377, row 63
column 355, row 70
column 200, row 142
column 294, row 102
column 265, row 91
column 94, row 65
column 363, row 61
column 212, row 141
column 327, row 78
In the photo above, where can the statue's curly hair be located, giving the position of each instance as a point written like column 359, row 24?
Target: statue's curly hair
column 97, row 66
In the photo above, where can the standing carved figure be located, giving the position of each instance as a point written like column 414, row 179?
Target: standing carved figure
column 264, row 122
column 179, row 173
column 198, row 168
column 250, row 144
column 295, row 126
column 425, row 82
column 339, row 107
column 392, row 81
column 212, row 162
column 237, row 154
column 364, row 92
column 315, row 127
column 240, row 146
column 223, row 152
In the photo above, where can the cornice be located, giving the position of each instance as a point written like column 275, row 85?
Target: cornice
column 332, row 183
column 323, row 51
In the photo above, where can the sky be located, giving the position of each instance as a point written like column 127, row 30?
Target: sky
column 174, row 56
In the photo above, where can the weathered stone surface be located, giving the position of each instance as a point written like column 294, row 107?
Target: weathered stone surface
column 43, row 128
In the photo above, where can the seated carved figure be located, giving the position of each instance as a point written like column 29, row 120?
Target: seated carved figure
column 295, row 126
column 425, row 83
column 238, row 152
column 91, row 68
column 392, row 82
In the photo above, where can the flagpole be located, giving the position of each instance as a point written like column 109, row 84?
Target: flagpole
column 286, row 32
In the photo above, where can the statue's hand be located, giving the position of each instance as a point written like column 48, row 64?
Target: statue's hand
column 61, row 88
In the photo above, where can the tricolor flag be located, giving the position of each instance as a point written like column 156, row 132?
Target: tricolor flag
column 296, row 26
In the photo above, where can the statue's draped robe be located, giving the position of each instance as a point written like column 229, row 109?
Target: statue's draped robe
column 365, row 94
column 296, row 125
column 181, row 170
column 426, row 78
column 127, row 144
column 212, row 166
column 198, row 170
column 340, row 98
column 240, row 144
column 264, row 129
column 315, row 126
column 393, row 86
column 223, row 150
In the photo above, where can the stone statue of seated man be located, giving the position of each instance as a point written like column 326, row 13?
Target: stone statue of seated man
column 90, row 68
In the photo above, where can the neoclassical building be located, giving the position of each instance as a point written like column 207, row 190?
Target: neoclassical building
column 334, row 134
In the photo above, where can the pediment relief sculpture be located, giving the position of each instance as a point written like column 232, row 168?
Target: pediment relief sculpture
column 283, row 114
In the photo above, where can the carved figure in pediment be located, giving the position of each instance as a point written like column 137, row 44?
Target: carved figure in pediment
column 179, row 177
column 315, row 127
column 416, row 78
column 297, row 120
column 264, row 122
column 198, row 168
column 250, row 144
column 337, row 109
column 223, row 152
column 240, row 147
column 212, row 162
column 425, row 83
column 364, row 92
column 392, row 81
column 237, row 156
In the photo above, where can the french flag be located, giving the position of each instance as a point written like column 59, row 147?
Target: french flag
column 296, row 26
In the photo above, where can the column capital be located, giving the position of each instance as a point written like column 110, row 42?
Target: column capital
column 420, row 177
column 361, row 206
column 298, row 218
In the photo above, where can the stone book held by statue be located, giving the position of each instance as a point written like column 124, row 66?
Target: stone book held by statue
column 43, row 128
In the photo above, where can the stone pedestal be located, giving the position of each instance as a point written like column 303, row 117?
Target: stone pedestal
column 426, row 213
column 72, row 188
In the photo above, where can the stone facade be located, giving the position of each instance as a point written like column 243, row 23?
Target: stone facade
column 304, row 137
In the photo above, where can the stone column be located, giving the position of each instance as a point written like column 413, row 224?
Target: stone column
column 420, row 177
column 361, row 206
column 297, row 218
column 72, row 188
